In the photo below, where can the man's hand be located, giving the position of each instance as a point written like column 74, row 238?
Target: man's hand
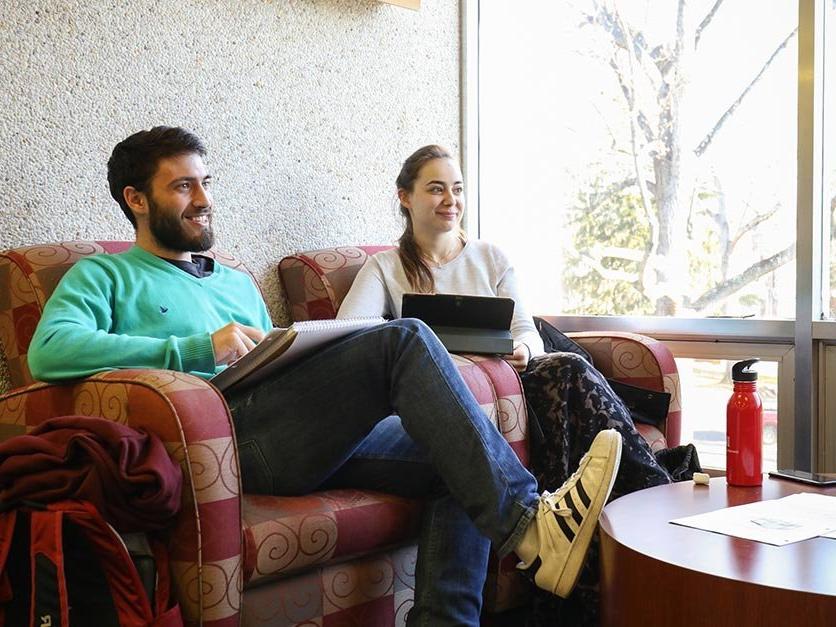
column 233, row 341
column 519, row 360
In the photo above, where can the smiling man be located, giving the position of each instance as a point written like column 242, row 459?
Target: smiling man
column 181, row 219
column 329, row 420
column 160, row 304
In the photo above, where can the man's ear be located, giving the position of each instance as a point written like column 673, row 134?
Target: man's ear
column 136, row 200
column 403, row 198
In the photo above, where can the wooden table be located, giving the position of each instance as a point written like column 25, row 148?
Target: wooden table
column 656, row 573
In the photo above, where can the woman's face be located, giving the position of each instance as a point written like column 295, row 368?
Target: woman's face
column 436, row 202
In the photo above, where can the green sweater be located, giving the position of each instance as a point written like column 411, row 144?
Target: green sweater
column 135, row 310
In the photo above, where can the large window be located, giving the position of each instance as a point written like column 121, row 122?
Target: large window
column 707, row 387
column 671, row 167
column 652, row 143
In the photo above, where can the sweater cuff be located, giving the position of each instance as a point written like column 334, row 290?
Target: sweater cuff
column 534, row 344
column 196, row 353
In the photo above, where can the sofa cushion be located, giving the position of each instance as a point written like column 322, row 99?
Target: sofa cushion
column 284, row 534
column 371, row 591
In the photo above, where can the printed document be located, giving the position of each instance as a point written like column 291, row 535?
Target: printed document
column 779, row 521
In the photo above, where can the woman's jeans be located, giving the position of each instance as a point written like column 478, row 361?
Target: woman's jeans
column 328, row 421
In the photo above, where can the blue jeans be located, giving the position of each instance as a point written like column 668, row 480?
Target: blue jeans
column 328, row 422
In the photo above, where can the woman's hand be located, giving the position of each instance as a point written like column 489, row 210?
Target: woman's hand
column 519, row 360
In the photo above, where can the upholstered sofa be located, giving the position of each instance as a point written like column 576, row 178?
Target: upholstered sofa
column 341, row 557
column 316, row 282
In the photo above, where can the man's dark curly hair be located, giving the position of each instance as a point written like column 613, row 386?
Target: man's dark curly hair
column 134, row 160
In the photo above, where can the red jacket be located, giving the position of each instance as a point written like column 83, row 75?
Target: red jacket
column 126, row 474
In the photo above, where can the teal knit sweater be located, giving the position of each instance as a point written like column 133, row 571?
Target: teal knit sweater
column 135, row 310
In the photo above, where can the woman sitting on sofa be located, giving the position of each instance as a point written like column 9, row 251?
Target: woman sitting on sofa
column 571, row 399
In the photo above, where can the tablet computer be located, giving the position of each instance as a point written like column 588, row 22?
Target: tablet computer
column 465, row 324
column 812, row 478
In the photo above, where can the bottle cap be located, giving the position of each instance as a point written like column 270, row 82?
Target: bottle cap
column 742, row 370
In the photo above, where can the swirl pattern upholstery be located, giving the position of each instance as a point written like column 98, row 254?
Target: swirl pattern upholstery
column 332, row 558
column 341, row 557
column 192, row 420
column 316, row 283
column 644, row 362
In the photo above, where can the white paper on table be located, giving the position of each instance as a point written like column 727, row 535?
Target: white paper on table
column 779, row 521
column 825, row 504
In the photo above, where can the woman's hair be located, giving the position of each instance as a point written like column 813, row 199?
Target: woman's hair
column 417, row 271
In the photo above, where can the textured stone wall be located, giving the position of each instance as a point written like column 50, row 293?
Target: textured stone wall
column 307, row 107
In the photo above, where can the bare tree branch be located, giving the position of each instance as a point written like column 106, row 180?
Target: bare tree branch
column 644, row 125
column 752, row 273
column 633, row 44
column 752, row 224
column 722, row 223
column 706, row 141
column 647, row 204
column 680, row 29
column 609, row 23
column 721, row 218
column 705, row 22
column 654, row 146
column 662, row 59
column 625, row 89
column 629, row 96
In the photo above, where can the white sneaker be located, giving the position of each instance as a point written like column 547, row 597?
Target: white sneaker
column 555, row 543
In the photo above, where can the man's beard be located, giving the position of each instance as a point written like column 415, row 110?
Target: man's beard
column 169, row 231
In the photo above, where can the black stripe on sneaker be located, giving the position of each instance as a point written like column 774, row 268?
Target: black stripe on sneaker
column 565, row 528
column 582, row 493
column 531, row 571
column 576, row 515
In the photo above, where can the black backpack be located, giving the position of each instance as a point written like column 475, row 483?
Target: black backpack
column 62, row 565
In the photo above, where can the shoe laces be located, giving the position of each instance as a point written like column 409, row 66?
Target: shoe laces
column 548, row 503
column 549, row 500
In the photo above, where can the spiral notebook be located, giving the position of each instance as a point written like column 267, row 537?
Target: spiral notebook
column 283, row 346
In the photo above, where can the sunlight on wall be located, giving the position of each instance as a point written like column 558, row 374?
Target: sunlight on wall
column 307, row 109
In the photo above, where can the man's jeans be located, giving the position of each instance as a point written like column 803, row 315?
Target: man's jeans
column 328, row 422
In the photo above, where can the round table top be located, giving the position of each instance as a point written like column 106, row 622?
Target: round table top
column 639, row 521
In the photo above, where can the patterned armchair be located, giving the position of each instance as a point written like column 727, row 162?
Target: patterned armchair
column 236, row 558
column 316, row 282
column 341, row 557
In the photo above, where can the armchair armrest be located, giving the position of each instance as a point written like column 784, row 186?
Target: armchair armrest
column 192, row 419
column 642, row 361
column 498, row 390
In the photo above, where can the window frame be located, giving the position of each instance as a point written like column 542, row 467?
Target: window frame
column 783, row 354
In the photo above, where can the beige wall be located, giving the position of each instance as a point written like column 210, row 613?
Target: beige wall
column 307, row 107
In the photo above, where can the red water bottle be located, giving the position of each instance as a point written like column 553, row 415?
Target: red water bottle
column 744, row 427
